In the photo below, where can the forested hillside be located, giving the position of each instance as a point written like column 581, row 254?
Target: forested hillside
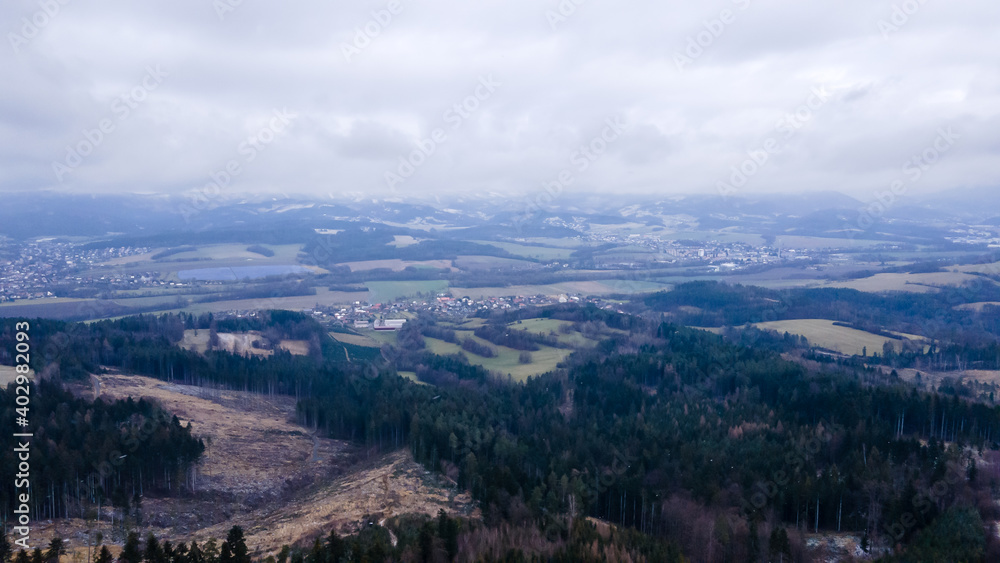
column 697, row 445
column 85, row 454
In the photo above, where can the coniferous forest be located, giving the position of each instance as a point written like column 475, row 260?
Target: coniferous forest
column 659, row 443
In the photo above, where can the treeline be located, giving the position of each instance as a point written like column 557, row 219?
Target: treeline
column 502, row 335
column 147, row 345
column 260, row 249
column 172, row 251
column 85, row 453
column 427, row 326
column 478, row 348
column 407, row 538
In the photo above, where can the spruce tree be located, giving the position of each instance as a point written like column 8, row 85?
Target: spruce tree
column 130, row 551
column 238, row 545
column 56, row 548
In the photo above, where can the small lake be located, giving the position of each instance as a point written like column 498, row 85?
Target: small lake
column 239, row 273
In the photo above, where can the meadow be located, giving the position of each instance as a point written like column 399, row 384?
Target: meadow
column 507, row 361
column 825, row 334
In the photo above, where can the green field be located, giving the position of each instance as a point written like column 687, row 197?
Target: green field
column 544, row 253
column 823, row 333
column 45, row 301
column 382, row 336
column 356, row 339
column 442, row 348
column 506, row 362
column 389, row 291
column 548, row 326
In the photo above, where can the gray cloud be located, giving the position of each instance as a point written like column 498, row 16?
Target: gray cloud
column 370, row 81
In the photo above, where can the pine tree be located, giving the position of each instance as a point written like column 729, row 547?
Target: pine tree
column 130, row 551
column 194, row 554
column 226, row 553
column 426, row 541
column 779, row 547
column 238, row 545
column 168, row 551
column 334, row 547
column 317, row 554
column 104, row 555
column 56, row 548
column 153, row 552
column 181, row 553
column 210, row 553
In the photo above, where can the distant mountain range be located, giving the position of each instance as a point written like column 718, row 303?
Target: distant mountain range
column 40, row 214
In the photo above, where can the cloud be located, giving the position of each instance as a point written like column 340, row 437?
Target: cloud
column 370, row 80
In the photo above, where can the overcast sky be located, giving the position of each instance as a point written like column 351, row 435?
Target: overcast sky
column 668, row 97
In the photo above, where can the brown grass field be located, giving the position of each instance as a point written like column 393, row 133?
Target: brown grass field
column 295, row 347
column 823, row 333
column 977, row 307
column 913, row 283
